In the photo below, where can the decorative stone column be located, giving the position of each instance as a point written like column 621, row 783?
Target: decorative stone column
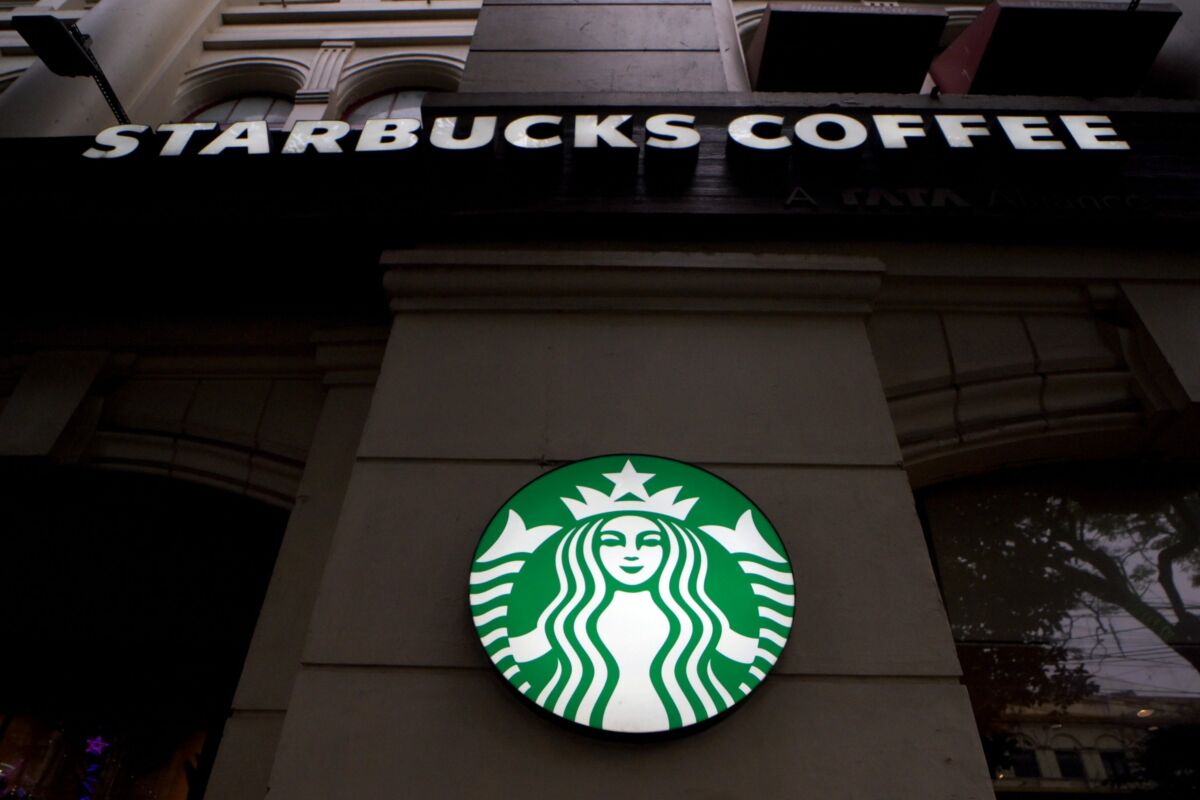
column 605, row 46
column 312, row 100
column 143, row 47
column 501, row 365
column 49, row 397
column 351, row 363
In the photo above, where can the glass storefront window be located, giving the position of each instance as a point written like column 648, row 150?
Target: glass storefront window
column 129, row 601
column 1073, row 593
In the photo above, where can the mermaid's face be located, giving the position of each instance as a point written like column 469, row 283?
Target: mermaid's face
column 631, row 549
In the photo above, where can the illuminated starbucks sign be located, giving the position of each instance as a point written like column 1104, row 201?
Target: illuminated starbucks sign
column 664, row 133
column 632, row 594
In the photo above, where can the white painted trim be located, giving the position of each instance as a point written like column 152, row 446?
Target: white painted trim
column 394, row 71
column 241, row 74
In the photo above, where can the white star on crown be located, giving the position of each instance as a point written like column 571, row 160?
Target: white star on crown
column 629, row 482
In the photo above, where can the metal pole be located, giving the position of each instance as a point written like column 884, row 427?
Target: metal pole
column 111, row 97
column 106, row 89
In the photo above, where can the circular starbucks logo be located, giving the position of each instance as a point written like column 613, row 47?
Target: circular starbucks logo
column 632, row 593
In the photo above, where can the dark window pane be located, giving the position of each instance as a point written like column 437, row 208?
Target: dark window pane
column 1116, row 765
column 1070, row 764
column 1025, row 765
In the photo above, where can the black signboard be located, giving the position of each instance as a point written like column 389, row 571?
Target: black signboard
column 809, row 162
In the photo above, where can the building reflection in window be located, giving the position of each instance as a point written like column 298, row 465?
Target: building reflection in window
column 129, row 601
column 1074, row 598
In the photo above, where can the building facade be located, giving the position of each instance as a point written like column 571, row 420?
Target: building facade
column 958, row 371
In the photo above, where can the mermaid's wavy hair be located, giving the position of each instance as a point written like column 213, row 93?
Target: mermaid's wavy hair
column 586, row 672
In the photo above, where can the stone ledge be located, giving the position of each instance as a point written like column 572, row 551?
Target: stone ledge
column 427, row 280
column 392, row 11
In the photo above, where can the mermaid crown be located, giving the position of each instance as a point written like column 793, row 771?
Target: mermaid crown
column 626, row 482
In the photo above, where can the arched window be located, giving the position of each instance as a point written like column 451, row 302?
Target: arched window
column 1016, row 759
column 1073, row 593
column 272, row 108
column 389, row 105
column 129, row 601
column 1115, row 761
column 1068, row 755
column 1024, row 761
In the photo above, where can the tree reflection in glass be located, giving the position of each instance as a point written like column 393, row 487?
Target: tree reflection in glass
column 1074, row 597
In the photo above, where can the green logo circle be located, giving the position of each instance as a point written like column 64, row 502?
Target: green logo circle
column 632, row 593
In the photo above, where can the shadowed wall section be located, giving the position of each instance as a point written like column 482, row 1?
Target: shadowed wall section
column 978, row 376
column 615, row 45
